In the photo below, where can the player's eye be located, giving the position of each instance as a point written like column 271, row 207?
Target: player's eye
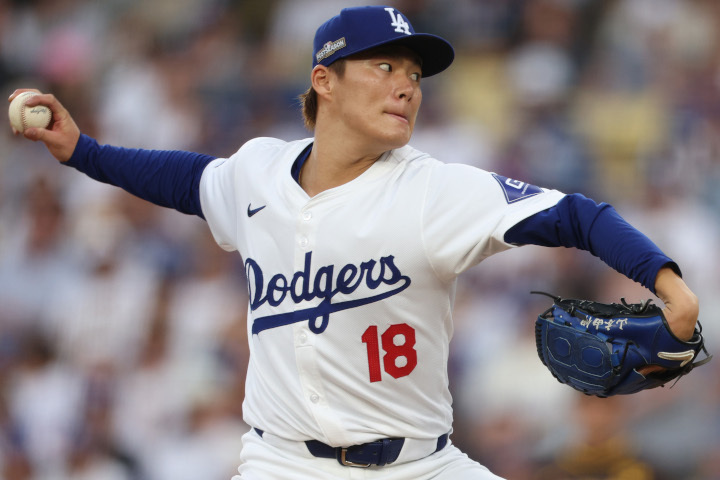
column 415, row 77
column 386, row 66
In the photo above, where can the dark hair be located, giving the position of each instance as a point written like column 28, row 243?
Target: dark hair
column 309, row 99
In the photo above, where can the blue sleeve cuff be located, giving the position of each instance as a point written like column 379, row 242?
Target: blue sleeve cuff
column 80, row 154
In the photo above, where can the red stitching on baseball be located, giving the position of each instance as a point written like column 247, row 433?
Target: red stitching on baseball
column 22, row 113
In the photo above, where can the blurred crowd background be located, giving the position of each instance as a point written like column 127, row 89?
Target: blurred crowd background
column 122, row 325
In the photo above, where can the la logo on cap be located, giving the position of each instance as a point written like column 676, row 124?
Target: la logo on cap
column 401, row 26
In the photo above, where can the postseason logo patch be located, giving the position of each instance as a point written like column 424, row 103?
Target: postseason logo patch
column 330, row 48
column 515, row 190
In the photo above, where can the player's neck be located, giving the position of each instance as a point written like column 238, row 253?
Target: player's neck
column 329, row 166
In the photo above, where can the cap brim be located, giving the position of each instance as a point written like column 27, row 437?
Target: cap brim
column 435, row 52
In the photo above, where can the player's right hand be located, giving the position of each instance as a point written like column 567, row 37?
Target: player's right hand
column 61, row 136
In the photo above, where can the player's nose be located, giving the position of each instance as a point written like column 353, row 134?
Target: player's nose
column 405, row 87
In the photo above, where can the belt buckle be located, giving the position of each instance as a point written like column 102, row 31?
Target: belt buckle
column 348, row 463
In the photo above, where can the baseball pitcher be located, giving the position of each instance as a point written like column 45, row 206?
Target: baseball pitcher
column 352, row 243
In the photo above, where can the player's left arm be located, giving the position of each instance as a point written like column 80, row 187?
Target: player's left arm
column 578, row 222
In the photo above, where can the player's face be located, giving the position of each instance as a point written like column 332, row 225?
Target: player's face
column 379, row 96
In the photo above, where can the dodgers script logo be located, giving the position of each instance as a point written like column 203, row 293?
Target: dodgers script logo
column 326, row 283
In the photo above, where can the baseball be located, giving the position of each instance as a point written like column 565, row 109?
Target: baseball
column 22, row 117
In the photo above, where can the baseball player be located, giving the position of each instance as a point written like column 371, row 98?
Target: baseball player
column 352, row 242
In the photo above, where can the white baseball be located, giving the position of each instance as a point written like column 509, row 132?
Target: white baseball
column 22, row 117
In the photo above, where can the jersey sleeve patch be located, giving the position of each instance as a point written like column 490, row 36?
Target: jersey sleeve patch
column 515, row 190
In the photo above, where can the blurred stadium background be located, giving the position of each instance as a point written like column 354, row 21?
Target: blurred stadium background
column 122, row 337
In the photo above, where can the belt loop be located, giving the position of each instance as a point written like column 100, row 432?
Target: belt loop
column 442, row 442
column 384, row 452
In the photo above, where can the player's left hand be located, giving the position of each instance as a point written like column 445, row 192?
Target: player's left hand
column 681, row 309
column 609, row 349
column 681, row 304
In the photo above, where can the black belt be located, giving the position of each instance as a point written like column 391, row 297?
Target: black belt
column 380, row 452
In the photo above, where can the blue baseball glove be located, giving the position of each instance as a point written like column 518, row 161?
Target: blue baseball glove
column 599, row 348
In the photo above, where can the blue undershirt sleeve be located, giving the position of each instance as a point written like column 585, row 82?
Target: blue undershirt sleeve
column 168, row 178
column 576, row 221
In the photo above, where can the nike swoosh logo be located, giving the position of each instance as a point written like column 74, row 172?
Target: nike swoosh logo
column 253, row 211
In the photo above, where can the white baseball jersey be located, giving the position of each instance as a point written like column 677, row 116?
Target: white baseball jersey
column 351, row 291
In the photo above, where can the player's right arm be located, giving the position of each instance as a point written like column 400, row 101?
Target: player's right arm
column 168, row 178
column 164, row 177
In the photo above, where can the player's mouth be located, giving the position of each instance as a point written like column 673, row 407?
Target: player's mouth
column 399, row 116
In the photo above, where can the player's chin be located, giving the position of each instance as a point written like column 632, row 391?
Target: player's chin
column 398, row 136
column 396, row 142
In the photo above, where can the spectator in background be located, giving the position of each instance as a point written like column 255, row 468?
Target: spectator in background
column 599, row 446
column 36, row 257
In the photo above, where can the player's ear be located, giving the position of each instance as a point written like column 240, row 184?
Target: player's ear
column 321, row 81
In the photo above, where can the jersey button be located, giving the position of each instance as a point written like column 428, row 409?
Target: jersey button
column 307, row 216
column 314, row 398
column 302, row 338
column 304, row 242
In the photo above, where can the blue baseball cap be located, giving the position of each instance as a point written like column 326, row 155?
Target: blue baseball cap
column 358, row 29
